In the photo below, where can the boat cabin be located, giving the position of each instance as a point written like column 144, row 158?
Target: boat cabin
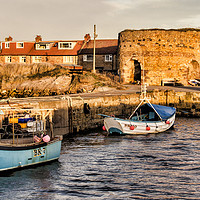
column 152, row 112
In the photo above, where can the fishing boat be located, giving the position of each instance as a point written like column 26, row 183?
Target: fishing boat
column 146, row 118
column 24, row 139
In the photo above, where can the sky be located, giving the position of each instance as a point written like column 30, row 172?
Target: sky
column 72, row 19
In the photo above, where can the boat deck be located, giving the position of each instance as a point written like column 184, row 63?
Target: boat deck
column 28, row 141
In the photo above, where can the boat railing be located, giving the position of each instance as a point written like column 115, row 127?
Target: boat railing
column 17, row 123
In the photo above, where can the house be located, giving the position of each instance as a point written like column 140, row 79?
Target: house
column 63, row 52
column 54, row 52
column 15, row 52
column 105, row 55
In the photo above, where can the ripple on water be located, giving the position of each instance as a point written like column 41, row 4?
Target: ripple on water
column 92, row 166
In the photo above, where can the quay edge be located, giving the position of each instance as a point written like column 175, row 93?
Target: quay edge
column 76, row 113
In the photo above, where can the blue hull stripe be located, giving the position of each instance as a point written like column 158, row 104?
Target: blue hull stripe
column 11, row 159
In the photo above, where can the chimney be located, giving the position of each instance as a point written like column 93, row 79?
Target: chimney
column 87, row 37
column 38, row 38
column 9, row 39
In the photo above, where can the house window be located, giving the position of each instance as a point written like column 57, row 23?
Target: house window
column 108, row 58
column 65, row 45
column 7, row 45
column 23, row 59
column 19, row 45
column 42, row 46
column 88, row 57
column 37, row 59
column 8, row 59
column 47, row 46
column 68, row 59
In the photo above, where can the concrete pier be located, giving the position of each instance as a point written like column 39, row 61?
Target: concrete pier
column 79, row 112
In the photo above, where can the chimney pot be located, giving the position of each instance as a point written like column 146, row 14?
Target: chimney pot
column 87, row 37
column 8, row 39
column 38, row 38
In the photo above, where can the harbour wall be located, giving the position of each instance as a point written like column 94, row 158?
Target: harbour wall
column 81, row 113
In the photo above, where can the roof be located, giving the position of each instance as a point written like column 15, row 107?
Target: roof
column 106, row 46
column 54, row 51
column 13, row 50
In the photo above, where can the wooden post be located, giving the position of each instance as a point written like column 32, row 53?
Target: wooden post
column 1, row 119
column 51, row 125
column 44, row 121
column 13, row 129
column 95, row 36
column 70, row 115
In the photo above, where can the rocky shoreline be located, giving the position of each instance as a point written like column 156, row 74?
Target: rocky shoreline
column 21, row 81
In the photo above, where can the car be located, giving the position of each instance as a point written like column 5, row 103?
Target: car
column 194, row 82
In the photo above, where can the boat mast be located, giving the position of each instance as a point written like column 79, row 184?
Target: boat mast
column 143, row 96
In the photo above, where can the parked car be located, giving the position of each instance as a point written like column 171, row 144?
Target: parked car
column 194, row 82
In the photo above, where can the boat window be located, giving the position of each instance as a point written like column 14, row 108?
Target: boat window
column 148, row 115
column 151, row 115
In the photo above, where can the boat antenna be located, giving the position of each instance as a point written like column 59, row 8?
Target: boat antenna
column 143, row 96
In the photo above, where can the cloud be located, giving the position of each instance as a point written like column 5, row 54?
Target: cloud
column 72, row 19
column 118, row 5
column 190, row 21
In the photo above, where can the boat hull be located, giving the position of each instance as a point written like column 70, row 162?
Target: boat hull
column 13, row 157
column 123, row 127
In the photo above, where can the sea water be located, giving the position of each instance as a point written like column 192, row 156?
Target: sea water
column 94, row 166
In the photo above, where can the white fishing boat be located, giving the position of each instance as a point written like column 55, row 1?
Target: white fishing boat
column 24, row 139
column 146, row 118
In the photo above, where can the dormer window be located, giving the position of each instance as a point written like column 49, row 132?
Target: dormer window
column 37, row 46
column 66, row 45
column 7, row 45
column 42, row 46
column 19, row 45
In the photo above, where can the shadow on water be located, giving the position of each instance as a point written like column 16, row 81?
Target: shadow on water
column 24, row 170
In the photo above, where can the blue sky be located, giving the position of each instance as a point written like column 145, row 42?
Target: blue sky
column 72, row 19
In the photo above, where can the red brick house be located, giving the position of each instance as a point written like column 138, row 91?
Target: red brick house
column 15, row 52
column 65, row 52
column 54, row 52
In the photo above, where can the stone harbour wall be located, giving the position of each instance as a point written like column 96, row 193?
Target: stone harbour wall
column 76, row 114
column 187, row 104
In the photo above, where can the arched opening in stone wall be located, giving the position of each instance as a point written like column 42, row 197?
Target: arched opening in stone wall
column 137, row 72
column 194, row 70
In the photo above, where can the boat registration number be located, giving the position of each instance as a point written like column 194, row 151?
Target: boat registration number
column 39, row 152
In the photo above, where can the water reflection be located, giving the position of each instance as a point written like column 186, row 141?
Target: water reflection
column 92, row 166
